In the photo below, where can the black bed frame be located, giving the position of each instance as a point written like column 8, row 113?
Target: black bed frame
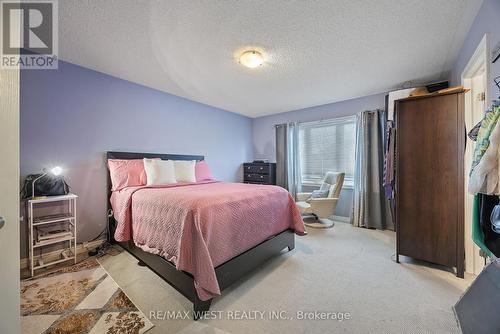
column 227, row 273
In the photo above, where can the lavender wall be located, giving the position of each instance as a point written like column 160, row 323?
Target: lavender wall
column 486, row 21
column 264, row 145
column 72, row 116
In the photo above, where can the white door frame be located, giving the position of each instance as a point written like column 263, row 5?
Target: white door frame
column 9, row 201
column 480, row 59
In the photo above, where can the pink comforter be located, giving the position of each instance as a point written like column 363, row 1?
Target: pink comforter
column 199, row 226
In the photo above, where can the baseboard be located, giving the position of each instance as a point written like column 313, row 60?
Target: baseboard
column 342, row 219
column 51, row 256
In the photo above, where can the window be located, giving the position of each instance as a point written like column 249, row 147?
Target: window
column 327, row 146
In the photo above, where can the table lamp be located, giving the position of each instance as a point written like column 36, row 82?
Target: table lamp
column 54, row 171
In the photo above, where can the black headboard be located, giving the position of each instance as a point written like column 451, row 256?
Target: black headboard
column 135, row 155
column 138, row 155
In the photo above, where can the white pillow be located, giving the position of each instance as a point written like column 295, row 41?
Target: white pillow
column 185, row 171
column 159, row 171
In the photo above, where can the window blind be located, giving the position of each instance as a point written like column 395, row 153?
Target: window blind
column 327, row 146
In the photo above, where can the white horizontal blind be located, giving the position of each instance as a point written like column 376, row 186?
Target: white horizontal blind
column 327, row 146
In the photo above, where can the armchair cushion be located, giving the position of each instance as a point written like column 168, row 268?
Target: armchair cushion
column 302, row 197
column 318, row 194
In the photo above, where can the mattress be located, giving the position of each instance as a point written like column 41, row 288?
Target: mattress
column 198, row 226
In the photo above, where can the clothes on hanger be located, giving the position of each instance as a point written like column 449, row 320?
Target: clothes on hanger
column 485, row 168
column 484, row 180
column 389, row 160
column 473, row 133
column 483, row 234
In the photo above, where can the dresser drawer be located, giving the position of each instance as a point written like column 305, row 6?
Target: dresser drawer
column 256, row 177
column 256, row 169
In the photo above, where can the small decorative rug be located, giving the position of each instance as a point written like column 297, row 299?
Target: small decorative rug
column 82, row 298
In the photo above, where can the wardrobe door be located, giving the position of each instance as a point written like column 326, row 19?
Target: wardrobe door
column 430, row 177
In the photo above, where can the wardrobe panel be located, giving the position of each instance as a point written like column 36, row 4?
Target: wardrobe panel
column 429, row 177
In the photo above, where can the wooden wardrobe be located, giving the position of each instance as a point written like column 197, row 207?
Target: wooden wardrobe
column 429, row 190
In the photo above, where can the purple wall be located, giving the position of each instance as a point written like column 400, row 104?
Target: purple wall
column 264, row 145
column 486, row 21
column 72, row 116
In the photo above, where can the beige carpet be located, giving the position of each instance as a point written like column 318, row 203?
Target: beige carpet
column 81, row 298
column 340, row 270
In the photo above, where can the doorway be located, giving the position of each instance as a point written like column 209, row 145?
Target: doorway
column 476, row 78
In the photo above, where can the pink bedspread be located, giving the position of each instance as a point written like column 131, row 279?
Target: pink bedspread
column 199, row 226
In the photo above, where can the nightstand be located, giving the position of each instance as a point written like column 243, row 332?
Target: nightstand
column 49, row 230
column 259, row 173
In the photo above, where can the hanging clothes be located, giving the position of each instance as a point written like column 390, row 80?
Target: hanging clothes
column 389, row 160
column 484, row 174
column 478, row 215
column 482, row 232
column 484, row 180
column 474, row 132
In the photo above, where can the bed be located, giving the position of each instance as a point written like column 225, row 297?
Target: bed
column 201, row 237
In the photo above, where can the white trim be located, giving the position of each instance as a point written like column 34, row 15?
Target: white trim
column 342, row 219
column 52, row 256
column 479, row 59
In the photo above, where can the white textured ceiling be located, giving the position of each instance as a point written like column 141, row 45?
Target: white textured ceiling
column 316, row 52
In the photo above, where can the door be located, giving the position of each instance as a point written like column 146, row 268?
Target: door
column 9, row 201
column 476, row 77
column 474, row 112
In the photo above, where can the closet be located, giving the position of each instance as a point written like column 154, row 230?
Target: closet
column 429, row 182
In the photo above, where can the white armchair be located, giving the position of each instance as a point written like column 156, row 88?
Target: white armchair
column 322, row 207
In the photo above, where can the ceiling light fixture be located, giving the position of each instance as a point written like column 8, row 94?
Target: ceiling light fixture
column 251, row 59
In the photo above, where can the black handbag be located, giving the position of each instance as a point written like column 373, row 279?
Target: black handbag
column 46, row 185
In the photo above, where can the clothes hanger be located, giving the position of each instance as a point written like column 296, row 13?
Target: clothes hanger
column 497, row 83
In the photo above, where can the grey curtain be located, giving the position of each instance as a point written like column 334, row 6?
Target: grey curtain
column 370, row 207
column 287, row 157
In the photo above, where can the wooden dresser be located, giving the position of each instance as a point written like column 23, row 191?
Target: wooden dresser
column 430, row 146
column 259, row 173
